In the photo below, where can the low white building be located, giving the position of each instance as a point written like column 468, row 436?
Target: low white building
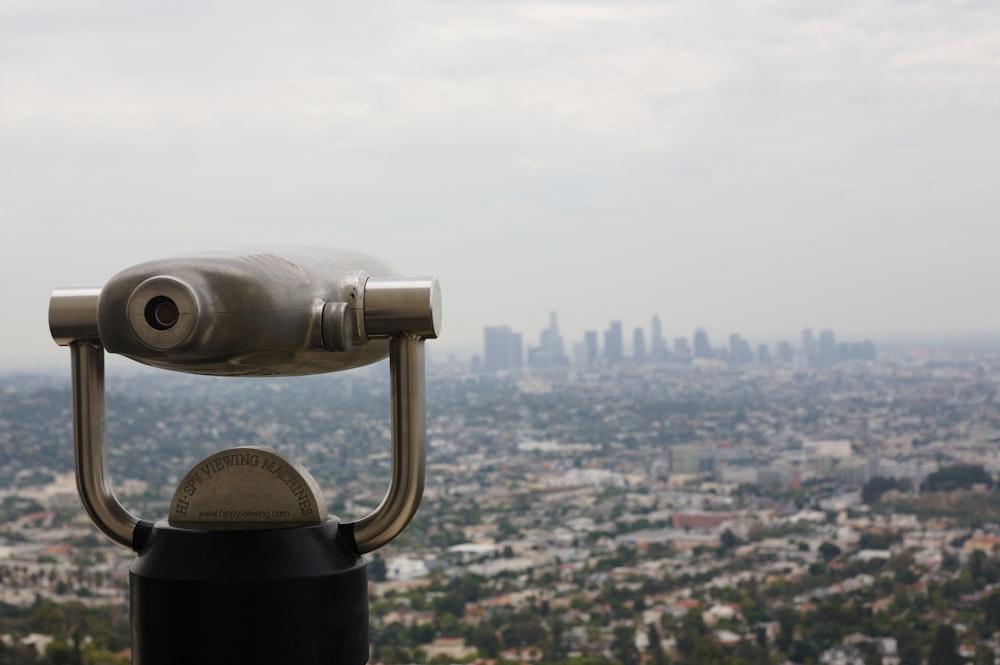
column 405, row 568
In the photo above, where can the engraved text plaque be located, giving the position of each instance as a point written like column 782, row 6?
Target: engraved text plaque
column 247, row 488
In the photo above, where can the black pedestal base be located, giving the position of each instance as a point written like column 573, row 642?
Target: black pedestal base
column 296, row 595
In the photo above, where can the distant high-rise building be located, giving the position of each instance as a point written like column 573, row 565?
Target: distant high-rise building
column 657, row 345
column 614, row 346
column 739, row 350
column 702, row 349
column 786, row 353
column 684, row 459
column 682, row 352
column 639, row 345
column 827, row 349
column 590, row 341
column 843, row 352
column 550, row 351
column 552, row 341
column 856, row 351
column 502, row 349
column 809, row 349
column 763, row 355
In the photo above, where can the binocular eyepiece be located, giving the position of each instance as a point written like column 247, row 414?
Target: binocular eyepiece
column 300, row 312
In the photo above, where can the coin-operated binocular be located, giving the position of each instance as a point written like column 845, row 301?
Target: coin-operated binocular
column 248, row 567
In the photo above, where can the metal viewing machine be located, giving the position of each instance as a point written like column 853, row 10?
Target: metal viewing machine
column 248, row 567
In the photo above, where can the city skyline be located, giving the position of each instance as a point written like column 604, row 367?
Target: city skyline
column 504, row 348
column 742, row 166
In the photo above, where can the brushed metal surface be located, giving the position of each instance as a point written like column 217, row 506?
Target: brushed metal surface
column 409, row 448
column 89, row 445
column 73, row 315
column 246, row 488
column 289, row 313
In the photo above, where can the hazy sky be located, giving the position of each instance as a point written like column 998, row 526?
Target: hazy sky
column 755, row 166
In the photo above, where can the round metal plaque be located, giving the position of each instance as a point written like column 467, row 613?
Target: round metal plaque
column 247, row 488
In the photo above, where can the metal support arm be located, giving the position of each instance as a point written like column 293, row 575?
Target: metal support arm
column 99, row 500
column 409, row 446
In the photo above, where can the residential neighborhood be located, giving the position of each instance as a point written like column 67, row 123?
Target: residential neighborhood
column 655, row 513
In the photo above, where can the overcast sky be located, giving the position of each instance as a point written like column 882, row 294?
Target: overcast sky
column 748, row 166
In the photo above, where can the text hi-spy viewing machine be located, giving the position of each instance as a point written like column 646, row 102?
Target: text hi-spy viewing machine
column 248, row 567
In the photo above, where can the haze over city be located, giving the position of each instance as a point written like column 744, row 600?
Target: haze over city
column 751, row 167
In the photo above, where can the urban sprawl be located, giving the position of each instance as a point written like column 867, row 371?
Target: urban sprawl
column 812, row 502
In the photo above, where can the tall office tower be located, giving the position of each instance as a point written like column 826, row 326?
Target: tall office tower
column 657, row 345
column 502, row 349
column 856, row 351
column 844, row 351
column 827, row 352
column 639, row 345
column 553, row 341
column 702, row 349
column 684, row 459
column 550, row 351
column 763, row 355
column 516, row 351
column 682, row 352
column 808, row 347
column 739, row 350
column 590, row 340
column 786, row 353
column 614, row 345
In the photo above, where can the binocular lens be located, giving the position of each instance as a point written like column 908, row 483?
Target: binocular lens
column 162, row 313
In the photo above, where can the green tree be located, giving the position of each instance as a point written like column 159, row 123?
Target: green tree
column 524, row 630
column 870, row 653
column 763, row 648
column 728, row 541
column 377, row 568
column 954, row 477
column 876, row 487
column 395, row 655
column 102, row 657
column 485, row 640
column 17, row 655
column 623, row 646
column 787, row 619
column 902, row 567
column 692, row 629
column 989, row 608
column 420, row 634
column 908, row 643
column 984, row 655
column 656, row 653
column 708, row 652
column 944, row 647
column 60, row 653
column 829, row 551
